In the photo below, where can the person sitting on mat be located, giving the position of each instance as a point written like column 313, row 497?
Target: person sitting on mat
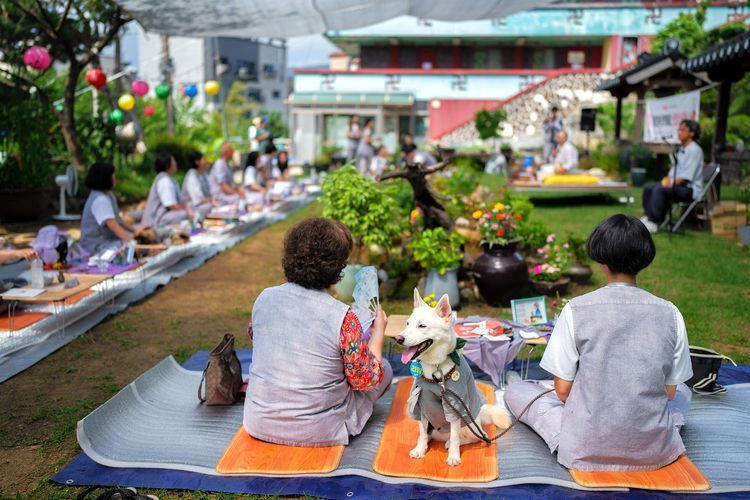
column 619, row 356
column 222, row 178
column 683, row 183
column 252, row 180
column 164, row 205
column 196, row 188
column 102, row 227
column 565, row 161
column 314, row 378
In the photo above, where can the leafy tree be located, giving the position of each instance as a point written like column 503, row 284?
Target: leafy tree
column 488, row 123
column 605, row 116
column 74, row 32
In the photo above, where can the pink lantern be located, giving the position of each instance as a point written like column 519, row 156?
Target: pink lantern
column 37, row 58
column 139, row 88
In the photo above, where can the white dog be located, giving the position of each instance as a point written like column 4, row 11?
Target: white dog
column 430, row 339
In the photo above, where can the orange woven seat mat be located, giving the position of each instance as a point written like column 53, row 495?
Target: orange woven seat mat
column 74, row 299
column 478, row 460
column 247, row 455
column 680, row 475
column 21, row 319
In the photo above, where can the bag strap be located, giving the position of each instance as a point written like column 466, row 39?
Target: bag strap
column 201, row 397
column 708, row 353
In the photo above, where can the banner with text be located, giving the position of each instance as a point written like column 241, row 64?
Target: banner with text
column 664, row 115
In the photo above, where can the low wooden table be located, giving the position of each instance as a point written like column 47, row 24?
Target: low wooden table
column 537, row 188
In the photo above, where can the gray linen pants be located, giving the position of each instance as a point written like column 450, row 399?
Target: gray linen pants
column 545, row 414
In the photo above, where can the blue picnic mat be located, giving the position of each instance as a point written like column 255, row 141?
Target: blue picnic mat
column 83, row 471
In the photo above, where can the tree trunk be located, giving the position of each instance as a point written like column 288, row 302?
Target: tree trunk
column 68, row 119
column 166, row 64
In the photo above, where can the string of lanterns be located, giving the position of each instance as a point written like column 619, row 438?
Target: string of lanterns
column 39, row 59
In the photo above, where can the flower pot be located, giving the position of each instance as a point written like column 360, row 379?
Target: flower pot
column 638, row 176
column 551, row 288
column 440, row 284
column 21, row 205
column 580, row 273
column 744, row 233
column 501, row 273
column 345, row 287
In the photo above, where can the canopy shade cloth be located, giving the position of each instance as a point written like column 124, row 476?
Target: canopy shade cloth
column 253, row 18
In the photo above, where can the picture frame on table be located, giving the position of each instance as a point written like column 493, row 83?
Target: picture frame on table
column 530, row 311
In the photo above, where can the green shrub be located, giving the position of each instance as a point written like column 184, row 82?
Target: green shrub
column 132, row 186
column 533, row 235
column 363, row 206
column 487, row 123
column 176, row 146
column 436, row 249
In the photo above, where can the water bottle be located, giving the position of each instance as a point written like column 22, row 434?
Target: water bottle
column 131, row 252
column 37, row 274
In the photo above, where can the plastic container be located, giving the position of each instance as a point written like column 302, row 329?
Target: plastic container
column 37, row 274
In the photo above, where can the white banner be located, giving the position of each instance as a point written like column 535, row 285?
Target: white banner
column 664, row 115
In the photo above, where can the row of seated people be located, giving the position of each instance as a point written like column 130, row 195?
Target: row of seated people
column 102, row 226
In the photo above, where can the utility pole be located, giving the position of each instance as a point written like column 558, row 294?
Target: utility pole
column 166, row 70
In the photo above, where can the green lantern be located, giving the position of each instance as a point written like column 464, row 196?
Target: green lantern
column 60, row 108
column 163, row 90
column 116, row 116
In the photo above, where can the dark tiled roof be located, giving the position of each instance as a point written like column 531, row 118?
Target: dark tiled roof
column 645, row 61
column 736, row 49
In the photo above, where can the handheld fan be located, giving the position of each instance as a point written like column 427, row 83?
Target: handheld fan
column 366, row 297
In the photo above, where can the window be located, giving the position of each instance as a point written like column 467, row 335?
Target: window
column 276, row 94
column 375, row 57
column 407, row 57
column 246, row 71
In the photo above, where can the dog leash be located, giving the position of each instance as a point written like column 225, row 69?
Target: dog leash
column 481, row 435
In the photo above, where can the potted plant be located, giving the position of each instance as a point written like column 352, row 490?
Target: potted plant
column 440, row 254
column 549, row 277
column 372, row 216
column 579, row 270
column 500, row 272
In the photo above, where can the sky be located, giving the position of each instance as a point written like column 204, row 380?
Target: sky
column 304, row 51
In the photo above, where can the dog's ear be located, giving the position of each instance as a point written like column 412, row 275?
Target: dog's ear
column 418, row 302
column 443, row 307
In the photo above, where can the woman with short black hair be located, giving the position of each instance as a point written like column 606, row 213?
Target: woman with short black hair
column 620, row 357
column 164, row 205
column 314, row 378
column 101, row 225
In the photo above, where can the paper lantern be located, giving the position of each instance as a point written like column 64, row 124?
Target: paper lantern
column 211, row 87
column 60, row 108
column 149, row 110
column 116, row 116
column 37, row 58
column 163, row 90
column 96, row 77
column 190, row 90
column 126, row 102
column 139, row 88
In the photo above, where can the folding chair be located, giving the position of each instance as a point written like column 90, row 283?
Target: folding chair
column 702, row 205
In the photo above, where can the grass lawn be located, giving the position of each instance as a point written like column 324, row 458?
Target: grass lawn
column 706, row 277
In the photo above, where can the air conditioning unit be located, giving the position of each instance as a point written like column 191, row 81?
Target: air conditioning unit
column 244, row 73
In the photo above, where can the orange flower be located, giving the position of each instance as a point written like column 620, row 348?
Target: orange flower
column 500, row 232
column 517, row 216
column 500, row 216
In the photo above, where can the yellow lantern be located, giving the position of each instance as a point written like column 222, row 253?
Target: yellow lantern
column 126, row 102
column 211, row 87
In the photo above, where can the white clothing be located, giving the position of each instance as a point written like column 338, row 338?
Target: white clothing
column 168, row 191
column 250, row 177
column 567, row 157
column 690, row 167
column 377, row 165
column 193, row 187
column 561, row 356
column 102, row 209
column 252, row 133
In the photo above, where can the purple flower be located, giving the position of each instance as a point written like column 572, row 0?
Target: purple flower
column 550, row 238
column 565, row 245
column 540, row 250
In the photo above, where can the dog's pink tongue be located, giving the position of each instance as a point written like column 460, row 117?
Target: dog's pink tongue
column 408, row 354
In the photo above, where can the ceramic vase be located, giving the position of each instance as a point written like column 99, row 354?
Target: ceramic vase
column 501, row 273
column 440, row 284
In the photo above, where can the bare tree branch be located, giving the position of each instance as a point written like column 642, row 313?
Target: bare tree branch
column 64, row 16
column 48, row 29
column 104, row 41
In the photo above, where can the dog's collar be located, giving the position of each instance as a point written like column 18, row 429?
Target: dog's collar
column 451, row 375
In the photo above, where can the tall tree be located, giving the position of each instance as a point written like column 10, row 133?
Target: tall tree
column 74, row 32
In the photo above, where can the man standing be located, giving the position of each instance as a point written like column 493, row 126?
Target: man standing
column 223, row 188
column 264, row 136
column 683, row 183
column 552, row 126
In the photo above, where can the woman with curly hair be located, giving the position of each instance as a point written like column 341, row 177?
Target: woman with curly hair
column 314, row 379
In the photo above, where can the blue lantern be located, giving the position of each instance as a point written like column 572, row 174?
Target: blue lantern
column 191, row 90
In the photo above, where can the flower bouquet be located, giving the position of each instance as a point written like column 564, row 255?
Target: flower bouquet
column 548, row 277
column 498, row 225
